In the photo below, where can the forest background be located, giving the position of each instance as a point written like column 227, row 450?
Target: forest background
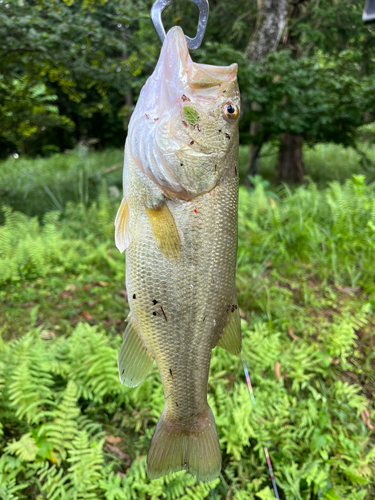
column 70, row 74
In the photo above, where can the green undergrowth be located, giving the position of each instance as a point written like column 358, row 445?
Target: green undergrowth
column 35, row 186
column 323, row 163
column 306, row 291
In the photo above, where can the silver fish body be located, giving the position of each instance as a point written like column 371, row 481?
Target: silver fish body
column 178, row 223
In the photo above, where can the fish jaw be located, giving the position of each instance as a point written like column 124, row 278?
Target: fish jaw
column 179, row 117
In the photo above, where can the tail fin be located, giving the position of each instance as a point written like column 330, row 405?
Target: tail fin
column 197, row 452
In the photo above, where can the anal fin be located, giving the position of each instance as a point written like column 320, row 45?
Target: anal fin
column 134, row 361
column 164, row 230
column 122, row 230
column 231, row 338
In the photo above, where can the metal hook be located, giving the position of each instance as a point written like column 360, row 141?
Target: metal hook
column 192, row 43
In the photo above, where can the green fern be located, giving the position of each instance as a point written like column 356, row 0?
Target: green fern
column 63, row 427
column 29, row 388
column 8, row 491
column 92, row 363
column 86, row 461
column 25, row 448
column 53, row 482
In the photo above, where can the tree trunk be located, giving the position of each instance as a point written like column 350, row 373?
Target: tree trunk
column 290, row 166
column 270, row 23
column 271, row 17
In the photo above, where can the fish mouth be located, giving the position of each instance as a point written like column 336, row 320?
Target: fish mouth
column 205, row 76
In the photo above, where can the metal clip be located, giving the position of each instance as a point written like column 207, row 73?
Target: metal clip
column 192, row 43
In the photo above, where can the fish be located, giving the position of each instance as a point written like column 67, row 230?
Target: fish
column 177, row 222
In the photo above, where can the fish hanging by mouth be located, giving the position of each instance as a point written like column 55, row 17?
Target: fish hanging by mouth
column 178, row 224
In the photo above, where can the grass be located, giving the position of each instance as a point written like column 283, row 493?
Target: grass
column 324, row 163
column 35, row 186
column 306, row 288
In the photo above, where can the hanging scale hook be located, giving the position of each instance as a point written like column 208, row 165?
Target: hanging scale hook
column 192, row 43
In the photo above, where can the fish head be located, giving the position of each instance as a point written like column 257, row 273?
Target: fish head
column 190, row 114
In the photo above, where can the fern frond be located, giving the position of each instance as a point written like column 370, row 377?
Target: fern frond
column 8, row 490
column 63, row 428
column 29, row 388
column 86, row 465
column 92, row 362
column 25, row 448
column 53, row 482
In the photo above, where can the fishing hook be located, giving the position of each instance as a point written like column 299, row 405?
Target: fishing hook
column 192, row 43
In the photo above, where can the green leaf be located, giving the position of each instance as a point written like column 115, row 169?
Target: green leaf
column 331, row 495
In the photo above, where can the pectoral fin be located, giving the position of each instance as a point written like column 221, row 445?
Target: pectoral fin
column 231, row 339
column 164, row 230
column 122, row 229
column 134, row 361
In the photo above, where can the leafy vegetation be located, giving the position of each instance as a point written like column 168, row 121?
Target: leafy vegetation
column 36, row 186
column 72, row 70
column 43, row 184
column 70, row 74
column 305, row 280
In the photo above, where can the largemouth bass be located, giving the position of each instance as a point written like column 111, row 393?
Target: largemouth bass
column 178, row 224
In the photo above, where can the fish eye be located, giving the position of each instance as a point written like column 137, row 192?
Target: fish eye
column 230, row 111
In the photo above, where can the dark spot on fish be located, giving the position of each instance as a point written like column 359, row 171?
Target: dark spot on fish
column 134, row 296
column 176, row 403
column 181, row 164
column 154, row 302
column 165, row 316
column 146, row 115
column 154, row 313
column 204, row 318
column 234, row 307
column 219, row 129
column 123, row 371
column 224, row 91
column 227, row 136
column 191, row 143
column 170, row 371
column 184, row 123
column 156, row 119
column 215, row 168
column 184, row 98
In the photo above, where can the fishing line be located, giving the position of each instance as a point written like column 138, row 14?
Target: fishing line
column 251, row 392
